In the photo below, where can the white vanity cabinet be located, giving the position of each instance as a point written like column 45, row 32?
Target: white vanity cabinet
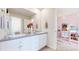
column 42, row 40
column 11, row 45
column 31, row 43
column 22, row 44
column 34, row 43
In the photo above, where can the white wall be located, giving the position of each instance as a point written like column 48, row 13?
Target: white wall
column 66, row 11
column 3, row 33
column 71, row 17
column 37, row 18
column 49, row 15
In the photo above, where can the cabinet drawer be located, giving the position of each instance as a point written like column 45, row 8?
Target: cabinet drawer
column 42, row 40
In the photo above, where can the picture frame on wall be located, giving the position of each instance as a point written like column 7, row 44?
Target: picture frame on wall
column 64, row 27
column 73, row 29
column 74, row 36
column 74, row 33
column 46, row 25
column 65, row 32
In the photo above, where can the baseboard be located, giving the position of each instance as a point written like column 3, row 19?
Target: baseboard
column 51, row 47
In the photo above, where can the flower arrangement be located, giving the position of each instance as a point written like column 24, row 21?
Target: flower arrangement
column 29, row 25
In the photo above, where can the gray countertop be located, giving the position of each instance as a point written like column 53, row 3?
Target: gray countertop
column 21, row 36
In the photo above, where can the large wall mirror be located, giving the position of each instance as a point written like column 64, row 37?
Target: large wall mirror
column 16, row 25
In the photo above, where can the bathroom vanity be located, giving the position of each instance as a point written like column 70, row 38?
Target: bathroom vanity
column 30, row 42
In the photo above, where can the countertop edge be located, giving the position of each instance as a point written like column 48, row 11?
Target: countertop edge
column 8, row 39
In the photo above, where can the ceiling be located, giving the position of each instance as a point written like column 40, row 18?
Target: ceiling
column 40, row 9
column 21, row 11
column 67, row 11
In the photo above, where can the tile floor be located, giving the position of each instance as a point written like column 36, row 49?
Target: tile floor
column 58, row 49
column 47, row 49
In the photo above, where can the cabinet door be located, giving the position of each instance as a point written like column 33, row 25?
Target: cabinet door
column 12, row 45
column 30, row 43
column 42, row 40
